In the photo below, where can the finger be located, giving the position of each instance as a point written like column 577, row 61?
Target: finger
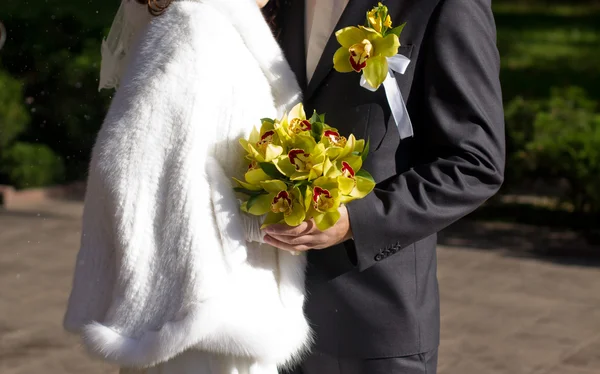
column 306, row 227
column 294, row 240
column 283, row 229
column 285, row 246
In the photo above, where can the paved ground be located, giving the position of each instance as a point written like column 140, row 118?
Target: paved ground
column 514, row 301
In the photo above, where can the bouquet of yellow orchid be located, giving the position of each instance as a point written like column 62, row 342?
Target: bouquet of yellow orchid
column 367, row 48
column 300, row 168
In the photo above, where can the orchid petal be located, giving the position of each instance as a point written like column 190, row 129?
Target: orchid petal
column 325, row 221
column 363, row 187
column 272, row 218
column 346, row 184
column 254, row 136
column 349, row 35
column 297, row 112
column 348, row 148
column 299, row 175
column 273, row 186
column 261, row 204
column 376, row 71
column 273, row 151
column 284, row 165
column 341, row 60
column 387, row 46
column 297, row 215
column 248, row 186
column 255, row 176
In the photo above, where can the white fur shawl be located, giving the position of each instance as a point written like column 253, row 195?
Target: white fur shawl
column 163, row 265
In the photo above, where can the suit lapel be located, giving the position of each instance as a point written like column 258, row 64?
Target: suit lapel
column 292, row 23
column 353, row 15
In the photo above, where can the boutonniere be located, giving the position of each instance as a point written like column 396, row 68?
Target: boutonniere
column 373, row 51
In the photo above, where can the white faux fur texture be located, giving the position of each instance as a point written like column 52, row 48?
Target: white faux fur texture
column 163, row 265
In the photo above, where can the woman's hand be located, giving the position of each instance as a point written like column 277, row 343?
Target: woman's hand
column 307, row 236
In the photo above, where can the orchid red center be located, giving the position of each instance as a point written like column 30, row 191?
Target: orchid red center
column 298, row 125
column 300, row 159
column 347, row 170
column 282, row 203
column 253, row 165
column 359, row 54
column 265, row 140
column 335, row 138
column 322, row 199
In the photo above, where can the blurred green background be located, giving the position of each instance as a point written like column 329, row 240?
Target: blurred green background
column 51, row 110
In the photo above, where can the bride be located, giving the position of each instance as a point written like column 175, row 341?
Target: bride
column 170, row 276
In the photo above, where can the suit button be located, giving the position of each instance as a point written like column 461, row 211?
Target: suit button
column 379, row 257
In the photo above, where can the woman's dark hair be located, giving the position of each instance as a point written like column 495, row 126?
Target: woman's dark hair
column 158, row 7
column 270, row 12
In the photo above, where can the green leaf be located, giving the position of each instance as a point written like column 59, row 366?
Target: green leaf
column 365, row 174
column 314, row 118
column 249, row 192
column 301, row 184
column 317, row 131
column 271, row 171
column 267, row 120
column 251, row 201
column 322, row 117
column 397, row 30
column 365, row 151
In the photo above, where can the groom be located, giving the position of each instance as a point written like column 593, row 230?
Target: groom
column 372, row 290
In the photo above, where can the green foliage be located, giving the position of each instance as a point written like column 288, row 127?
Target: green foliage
column 520, row 116
column 31, row 165
column 548, row 44
column 53, row 48
column 13, row 114
column 565, row 144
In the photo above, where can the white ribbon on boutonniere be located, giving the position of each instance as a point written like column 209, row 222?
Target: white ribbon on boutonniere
column 398, row 63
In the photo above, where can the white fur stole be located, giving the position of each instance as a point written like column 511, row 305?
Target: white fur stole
column 163, row 265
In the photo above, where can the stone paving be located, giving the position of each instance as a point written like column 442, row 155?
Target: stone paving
column 511, row 302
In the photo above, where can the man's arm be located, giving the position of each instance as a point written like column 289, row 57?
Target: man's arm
column 465, row 135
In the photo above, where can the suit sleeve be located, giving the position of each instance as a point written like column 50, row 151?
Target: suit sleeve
column 463, row 132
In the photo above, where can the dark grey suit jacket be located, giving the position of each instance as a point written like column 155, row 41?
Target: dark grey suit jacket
column 377, row 296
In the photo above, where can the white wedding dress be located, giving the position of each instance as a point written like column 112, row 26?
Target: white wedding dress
column 165, row 280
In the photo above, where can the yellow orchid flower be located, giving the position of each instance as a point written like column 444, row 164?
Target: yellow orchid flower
column 302, row 164
column 253, row 177
column 280, row 204
column 354, row 183
column 322, row 202
column 295, row 130
column 298, row 123
column 263, row 146
column 337, row 146
column 365, row 50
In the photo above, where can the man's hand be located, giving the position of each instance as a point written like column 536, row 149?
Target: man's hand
column 307, row 236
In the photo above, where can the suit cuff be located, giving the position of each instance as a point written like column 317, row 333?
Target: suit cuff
column 363, row 217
